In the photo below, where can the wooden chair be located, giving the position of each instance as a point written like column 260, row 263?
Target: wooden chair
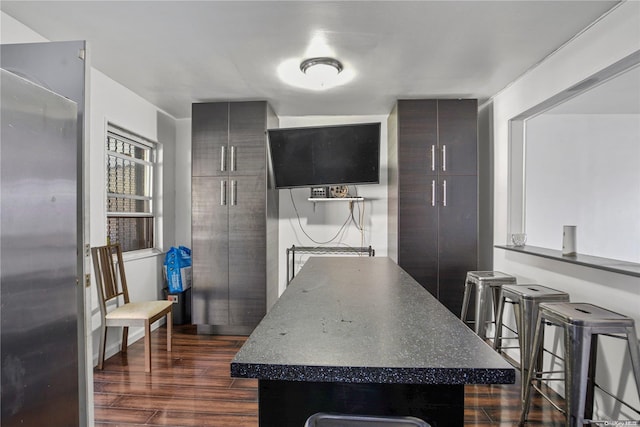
column 112, row 285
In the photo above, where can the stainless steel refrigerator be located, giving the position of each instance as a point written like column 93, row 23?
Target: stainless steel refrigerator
column 38, row 256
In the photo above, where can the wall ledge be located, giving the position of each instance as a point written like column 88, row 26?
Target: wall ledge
column 612, row 265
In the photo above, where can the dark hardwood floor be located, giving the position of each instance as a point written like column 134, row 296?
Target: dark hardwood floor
column 191, row 386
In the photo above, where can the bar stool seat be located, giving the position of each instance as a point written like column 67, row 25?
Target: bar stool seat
column 487, row 291
column 526, row 299
column 581, row 324
column 342, row 420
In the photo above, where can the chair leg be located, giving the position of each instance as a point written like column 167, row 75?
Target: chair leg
column 103, row 343
column 147, row 346
column 169, row 329
column 125, row 339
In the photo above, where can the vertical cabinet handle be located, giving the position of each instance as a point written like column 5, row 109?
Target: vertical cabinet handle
column 444, row 193
column 444, row 158
column 233, row 158
column 433, row 192
column 223, row 158
column 234, row 192
column 223, row 193
column 433, row 157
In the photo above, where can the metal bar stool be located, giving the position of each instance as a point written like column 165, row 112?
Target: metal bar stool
column 525, row 300
column 341, row 420
column 582, row 323
column 487, row 286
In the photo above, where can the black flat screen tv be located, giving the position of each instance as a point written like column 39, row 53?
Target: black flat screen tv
column 326, row 155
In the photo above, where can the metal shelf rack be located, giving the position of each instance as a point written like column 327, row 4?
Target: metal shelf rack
column 340, row 250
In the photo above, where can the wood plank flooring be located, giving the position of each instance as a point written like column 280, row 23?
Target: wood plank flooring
column 191, row 386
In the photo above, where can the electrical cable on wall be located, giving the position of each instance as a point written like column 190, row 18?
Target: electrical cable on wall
column 340, row 230
column 340, row 234
column 359, row 223
column 362, row 225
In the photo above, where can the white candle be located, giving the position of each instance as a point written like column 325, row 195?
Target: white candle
column 569, row 240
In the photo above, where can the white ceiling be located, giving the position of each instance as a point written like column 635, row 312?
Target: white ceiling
column 173, row 53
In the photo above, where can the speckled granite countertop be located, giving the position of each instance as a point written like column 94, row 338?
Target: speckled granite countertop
column 365, row 320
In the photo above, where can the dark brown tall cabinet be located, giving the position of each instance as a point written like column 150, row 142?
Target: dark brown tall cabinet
column 234, row 216
column 433, row 193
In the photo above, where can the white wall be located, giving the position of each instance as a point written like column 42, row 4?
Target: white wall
column 183, row 182
column 582, row 169
column 324, row 220
column 321, row 224
column 13, row 31
column 614, row 37
column 110, row 102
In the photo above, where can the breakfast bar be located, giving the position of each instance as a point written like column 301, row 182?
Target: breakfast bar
column 358, row 335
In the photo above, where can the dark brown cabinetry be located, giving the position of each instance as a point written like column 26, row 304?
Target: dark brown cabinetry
column 433, row 193
column 234, row 216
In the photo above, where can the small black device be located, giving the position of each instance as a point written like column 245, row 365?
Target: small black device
column 319, row 192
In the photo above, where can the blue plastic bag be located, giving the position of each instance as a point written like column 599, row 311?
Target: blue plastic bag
column 177, row 266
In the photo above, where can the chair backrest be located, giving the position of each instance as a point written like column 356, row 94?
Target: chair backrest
column 110, row 276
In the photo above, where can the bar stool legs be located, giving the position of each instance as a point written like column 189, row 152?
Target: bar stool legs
column 526, row 300
column 577, row 343
column 486, row 303
column 581, row 323
column 634, row 353
column 487, row 292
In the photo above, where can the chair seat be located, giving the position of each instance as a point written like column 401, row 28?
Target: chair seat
column 138, row 310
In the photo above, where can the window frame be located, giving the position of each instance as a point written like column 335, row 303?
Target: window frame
column 151, row 168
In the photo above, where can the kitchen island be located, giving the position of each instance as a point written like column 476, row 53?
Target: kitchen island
column 358, row 335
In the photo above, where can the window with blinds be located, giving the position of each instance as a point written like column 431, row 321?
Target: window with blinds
column 130, row 162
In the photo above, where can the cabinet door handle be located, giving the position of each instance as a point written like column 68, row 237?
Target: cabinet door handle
column 444, row 158
column 233, row 158
column 433, row 157
column 234, row 192
column 444, row 193
column 433, row 192
column 223, row 193
column 223, row 158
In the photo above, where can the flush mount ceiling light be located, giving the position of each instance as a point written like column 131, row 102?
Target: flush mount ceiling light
column 321, row 70
column 330, row 65
column 319, row 73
